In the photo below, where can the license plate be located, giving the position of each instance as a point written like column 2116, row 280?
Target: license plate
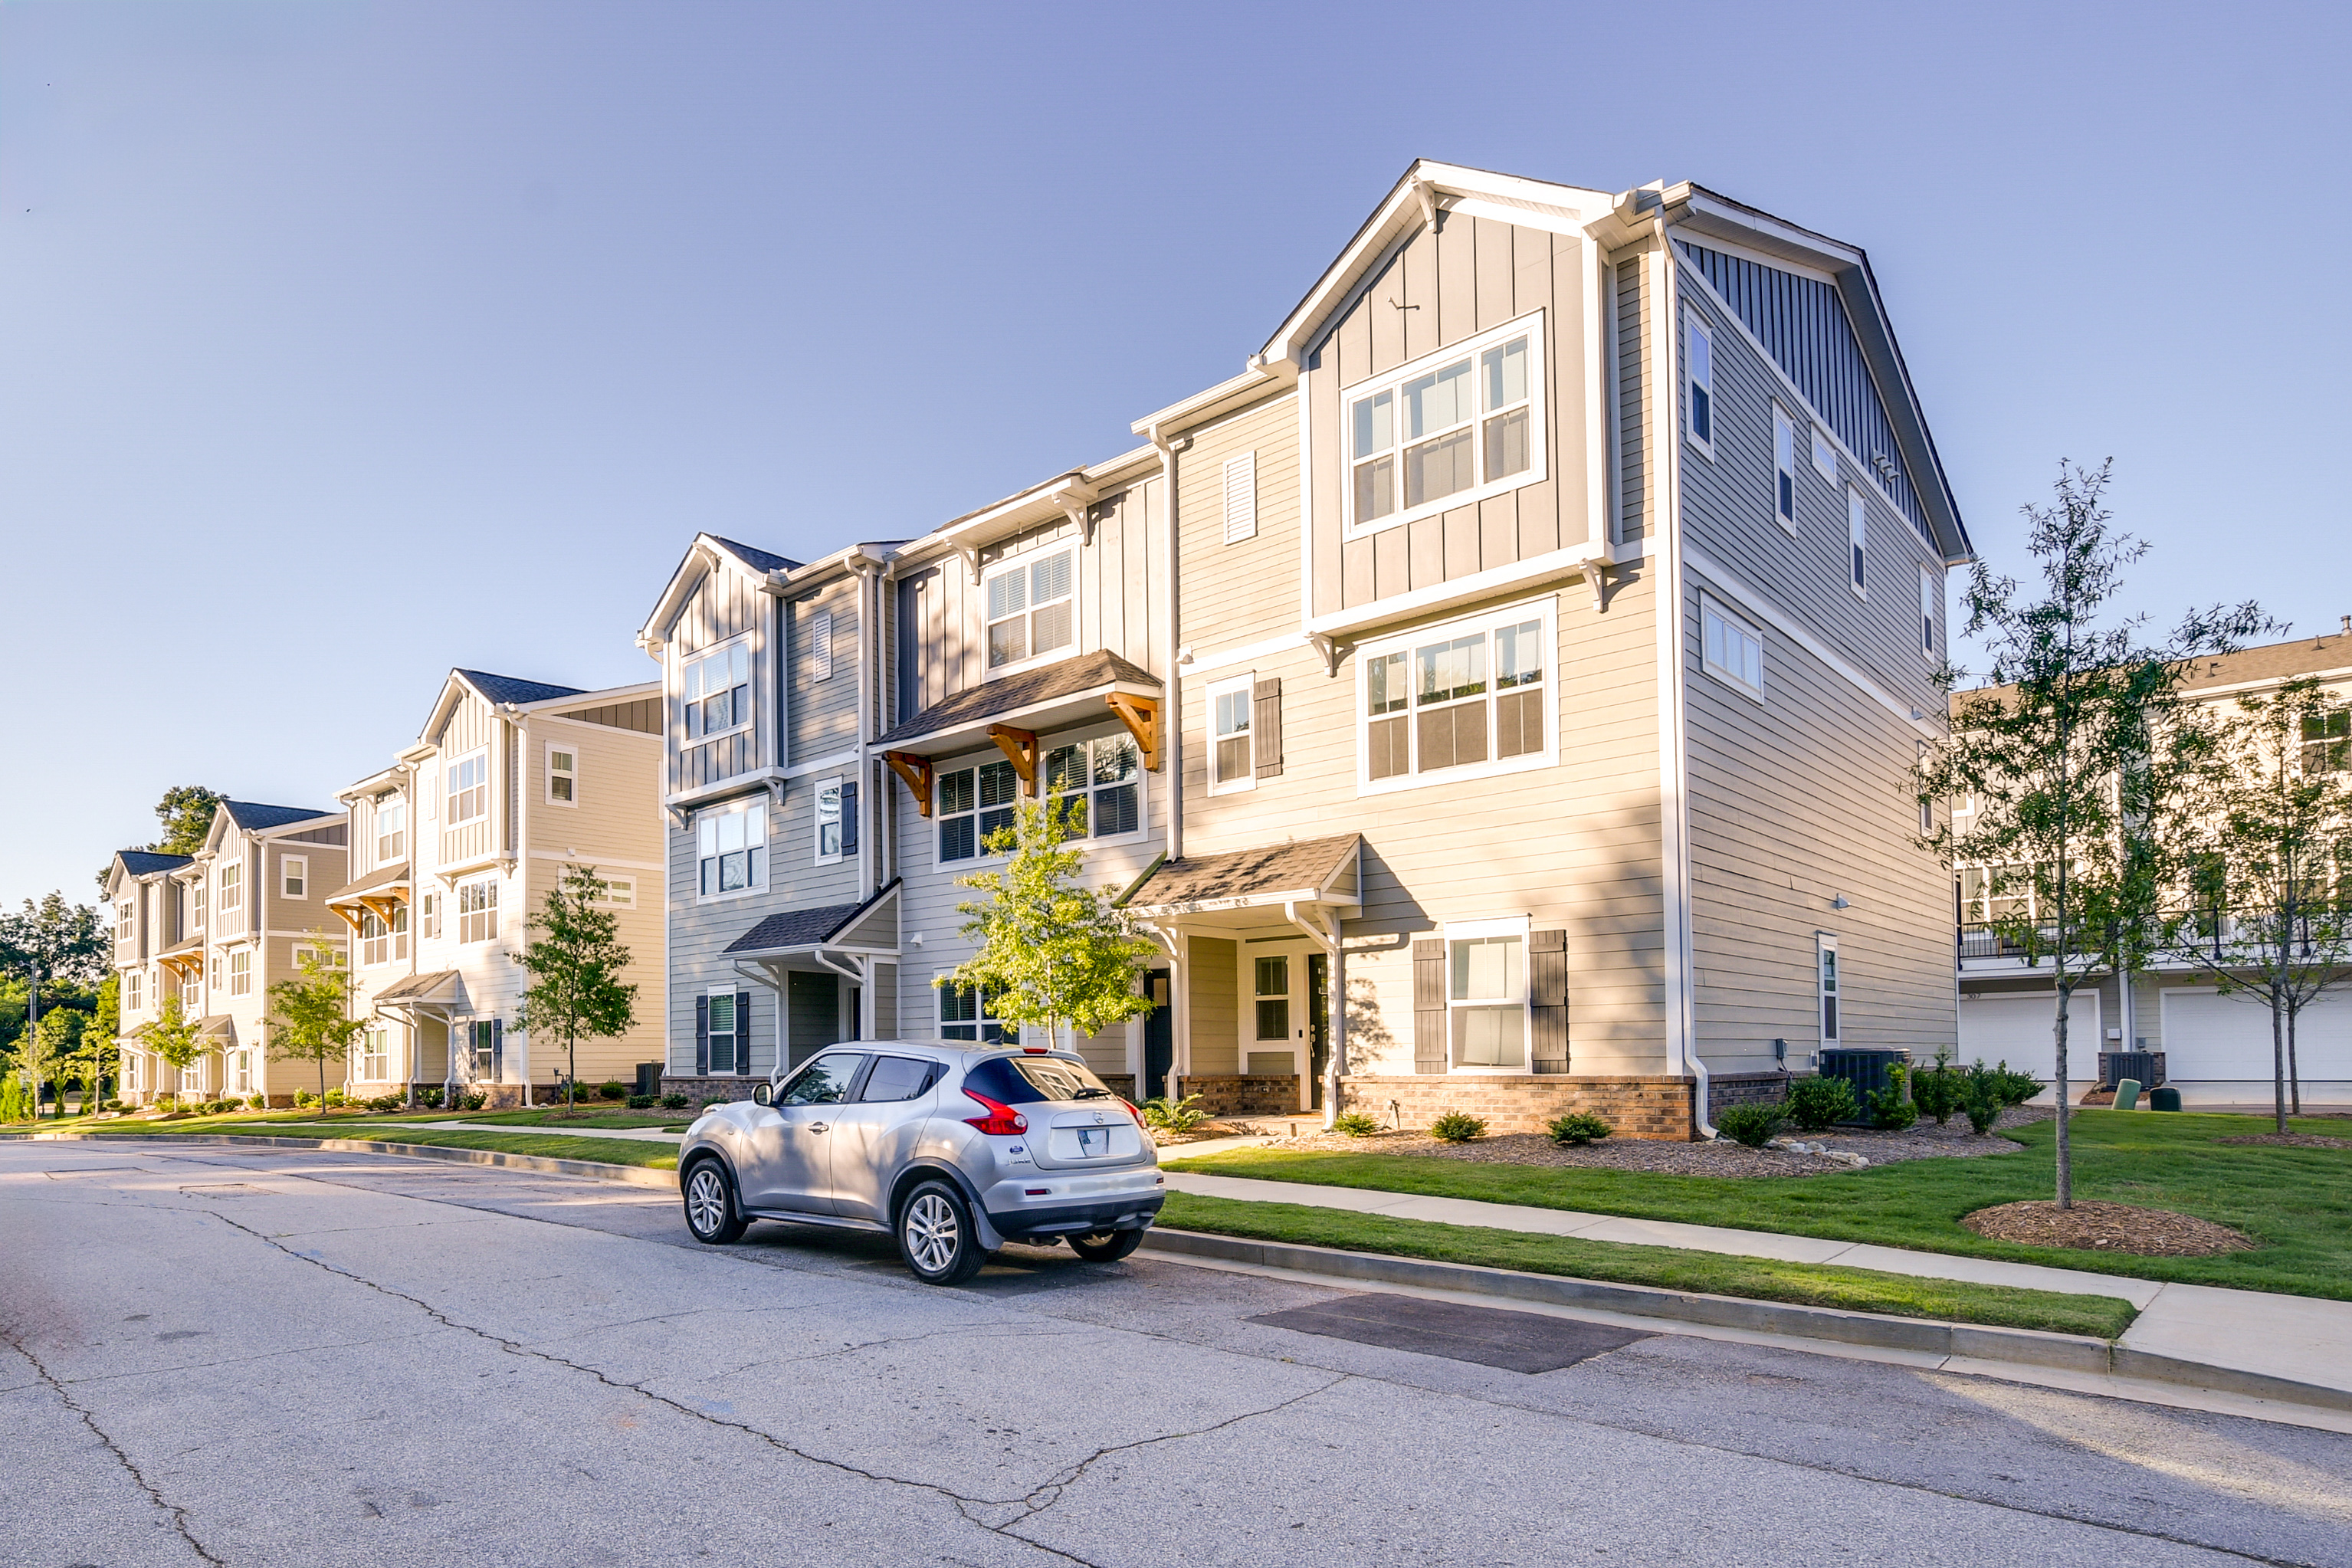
column 1093, row 1141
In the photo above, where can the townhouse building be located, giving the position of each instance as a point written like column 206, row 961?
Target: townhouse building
column 213, row 931
column 455, row 846
column 1500, row 696
column 2215, row 1044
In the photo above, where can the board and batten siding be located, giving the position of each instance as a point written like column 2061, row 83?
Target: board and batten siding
column 471, row 727
column 823, row 720
column 727, row 604
column 1438, row 289
column 1246, row 591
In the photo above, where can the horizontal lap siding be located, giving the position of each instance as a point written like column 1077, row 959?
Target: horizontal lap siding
column 824, row 713
column 1214, row 1000
column 1247, row 591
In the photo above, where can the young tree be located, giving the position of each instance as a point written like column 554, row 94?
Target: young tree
column 575, row 964
column 49, row 1050
column 313, row 1021
column 2072, row 757
column 95, row 1062
column 172, row 1036
column 1051, row 951
column 2271, row 835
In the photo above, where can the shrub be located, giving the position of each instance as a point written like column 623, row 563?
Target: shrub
column 2015, row 1087
column 1980, row 1098
column 471, row 1100
column 1751, row 1125
column 1457, row 1127
column 612, row 1089
column 641, row 1102
column 1889, row 1108
column 673, row 1102
column 1173, row 1115
column 713, row 1103
column 1354, row 1125
column 387, row 1102
column 337, row 1098
column 1577, row 1129
column 117, row 1105
column 1937, row 1091
column 1818, row 1104
column 429, row 1097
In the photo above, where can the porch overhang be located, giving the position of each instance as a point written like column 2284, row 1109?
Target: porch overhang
column 834, row 939
column 1018, row 708
column 438, row 994
column 1310, row 884
column 380, row 893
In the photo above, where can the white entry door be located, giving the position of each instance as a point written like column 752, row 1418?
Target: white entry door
column 2016, row 1028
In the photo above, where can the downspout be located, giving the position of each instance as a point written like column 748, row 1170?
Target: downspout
column 1171, row 746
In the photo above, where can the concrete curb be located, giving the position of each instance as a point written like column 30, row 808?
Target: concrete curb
column 542, row 1164
column 2028, row 1347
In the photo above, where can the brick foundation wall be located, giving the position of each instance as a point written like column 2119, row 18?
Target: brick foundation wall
column 1260, row 1094
column 1725, row 1090
column 1658, row 1108
column 697, row 1090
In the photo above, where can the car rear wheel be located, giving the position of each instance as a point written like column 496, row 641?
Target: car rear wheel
column 710, row 1205
column 936, row 1235
column 1107, row 1246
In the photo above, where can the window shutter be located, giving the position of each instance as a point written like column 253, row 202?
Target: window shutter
column 742, row 1031
column 1265, row 723
column 1429, row 1006
column 821, row 646
column 701, row 1035
column 499, row 1049
column 1548, row 1000
column 849, row 816
column 1241, row 498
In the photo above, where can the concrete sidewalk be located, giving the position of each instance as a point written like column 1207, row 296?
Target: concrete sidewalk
column 633, row 1134
column 2300, row 1338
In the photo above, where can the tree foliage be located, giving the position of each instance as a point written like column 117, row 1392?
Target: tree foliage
column 575, row 961
column 311, row 1019
column 2064, row 769
column 1050, row 951
column 173, row 1035
column 186, row 812
column 54, row 942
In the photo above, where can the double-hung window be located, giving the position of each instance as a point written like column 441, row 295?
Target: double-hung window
column 468, row 783
column 563, row 775
column 1463, row 700
column 375, row 1054
column 231, row 901
column 1446, row 429
column 1857, row 532
column 122, row 924
column 716, row 689
column 1030, row 609
column 1825, row 952
column 1272, row 994
column 477, row 910
column 967, row 1012
column 428, row 906
column 1487, row 994
column 384, row 940
column 1097, row 785
column 836, row 820
column 1732, row 648
column 1784, row 468
column 294, row 876
column 133, row 991
column 731, row 849
column 240, row 972
column 727, row 1032
column 1232, row 762
column 974, row 802
column 390, row 827
column 2327, row 741
column 1698, row 383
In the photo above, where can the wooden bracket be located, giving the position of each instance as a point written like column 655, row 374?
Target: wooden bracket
column 1020, row 748
column 349, row 918
column 383, row 908
column 915, row 773
column 1141, row 717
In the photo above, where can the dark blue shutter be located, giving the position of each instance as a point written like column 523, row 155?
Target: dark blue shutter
column 849, row 816
column 742, row 1031
column 701, row 1035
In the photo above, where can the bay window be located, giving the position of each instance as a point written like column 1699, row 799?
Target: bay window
column 1447, row 428
column 1464, row 700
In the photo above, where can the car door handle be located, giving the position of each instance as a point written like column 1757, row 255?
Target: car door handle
column 818, row 1126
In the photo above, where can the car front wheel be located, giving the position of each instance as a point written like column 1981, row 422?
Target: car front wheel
column 710, row 1205
column 1107, row 1246
column 937, row 1238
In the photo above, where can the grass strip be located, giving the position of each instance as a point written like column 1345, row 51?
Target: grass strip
column 1668, row 1269
column 2295, row 1203
column 604, row 1150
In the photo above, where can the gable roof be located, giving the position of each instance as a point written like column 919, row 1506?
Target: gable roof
column 752, row 555
column 257, row 818
column 808, row 928
column 510, row 688
column 702, row 557
column 147, row 862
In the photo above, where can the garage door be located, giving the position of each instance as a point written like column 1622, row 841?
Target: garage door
column 2209, row 1035
column 2016, row 1028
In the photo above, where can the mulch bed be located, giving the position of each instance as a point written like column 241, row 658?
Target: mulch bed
column 2092, row 1226
column 1722, row 1158
column 2291, row 1141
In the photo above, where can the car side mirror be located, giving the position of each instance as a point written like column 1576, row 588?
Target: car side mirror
column 763, row 1094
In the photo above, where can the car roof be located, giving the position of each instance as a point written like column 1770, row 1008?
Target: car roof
column 963, row 1053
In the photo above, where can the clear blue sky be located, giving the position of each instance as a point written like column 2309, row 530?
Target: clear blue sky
column 340, row 343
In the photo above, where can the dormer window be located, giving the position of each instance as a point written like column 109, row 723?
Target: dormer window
column 718, row 690
column 1447, row 428
column 1030, row 610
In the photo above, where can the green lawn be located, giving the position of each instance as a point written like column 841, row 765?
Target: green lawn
column 1756, row 1278
column 2297, row 1202
column 384, row 1130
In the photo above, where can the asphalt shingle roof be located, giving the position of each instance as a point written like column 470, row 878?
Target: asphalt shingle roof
column 2271, row 661
column 143, row 862
column 795, row 928
column 388, row 876
column 765, row 560
column 1239, row 873
column 506, row 688
column 1071, row 674
column 255, row 817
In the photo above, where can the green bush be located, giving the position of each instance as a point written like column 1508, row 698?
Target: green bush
column 1457, row 1127
column 1890, row 1109
column 1937, row 1091
column 336, row 1098
column 2015, row 1087
column 673, row 1102
column 387, row 1102
column 471, row 1100
column 1980, row 1096
column 1818, row 1104
column 1173, row 1115
column 1355, row 1125
column 612, row 1089
column 429, row 1097
column 641, row 1102
column 1752, row 1125
column 1577, row 1129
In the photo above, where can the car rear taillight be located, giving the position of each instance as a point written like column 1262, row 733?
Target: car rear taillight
column 1132, row 1111
column 1002, row 1121
column 1036, row 1050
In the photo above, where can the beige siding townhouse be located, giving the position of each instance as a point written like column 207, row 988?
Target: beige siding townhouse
column 216, row 931
column 458, row 842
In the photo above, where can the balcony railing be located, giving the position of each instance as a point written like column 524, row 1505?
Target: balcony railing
column 2210, row 932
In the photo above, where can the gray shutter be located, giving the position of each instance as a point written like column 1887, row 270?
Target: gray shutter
column 497, row 1050
column 1266, row 724
column 701, row 1035
column 1548, row 1000
column 1429, row 1006
column 742, row 1031
column 848, row 817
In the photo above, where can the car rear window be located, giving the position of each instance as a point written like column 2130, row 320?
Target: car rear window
column 898, row 1078
column 1030, row 1080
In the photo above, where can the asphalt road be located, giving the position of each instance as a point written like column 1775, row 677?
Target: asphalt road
column 260, row 1358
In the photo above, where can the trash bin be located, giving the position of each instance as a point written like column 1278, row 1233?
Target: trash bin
column 2164, row 1096
column 2127, row 1095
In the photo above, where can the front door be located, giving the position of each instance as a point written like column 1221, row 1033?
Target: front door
column 786, row 1163
column 1159, row 1038
column 1318, row 1024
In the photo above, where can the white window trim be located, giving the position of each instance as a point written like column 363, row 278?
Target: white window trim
column 816, row 819
column 1045, row 743
column 1782, row 420
column 738, row 1017
column 751, row 687
column 1931, row 598
column 450, row 772
column 1826, row 943
column 604, row 899
column 1245, row 683
column 757, row 884
column 1022, row 562
column 1709, row 604
column 458, row 909
column 1538, row 413
column 1825, row 445
column 1857, row 539
column 1240, row 492
column 286, row 867
column 1544, row 609
column 978, row 1023
column 549, row 770
column 820, row 646
column 1451, row 931
column 1695, row 326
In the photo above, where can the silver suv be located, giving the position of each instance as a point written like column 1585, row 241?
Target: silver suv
column 952, row 1150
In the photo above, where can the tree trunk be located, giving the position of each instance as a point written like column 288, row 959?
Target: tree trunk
column 2065, row 1146
column 2278, row 1056
column 2294, row 1072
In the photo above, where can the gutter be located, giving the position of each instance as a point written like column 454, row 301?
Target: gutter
column 1172, row 713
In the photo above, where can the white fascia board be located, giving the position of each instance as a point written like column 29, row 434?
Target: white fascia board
column 1925, row 720
column 702, row 557
column 637, row 692
column 1248, row 387
column 1244, row 902
column 1584, row 556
